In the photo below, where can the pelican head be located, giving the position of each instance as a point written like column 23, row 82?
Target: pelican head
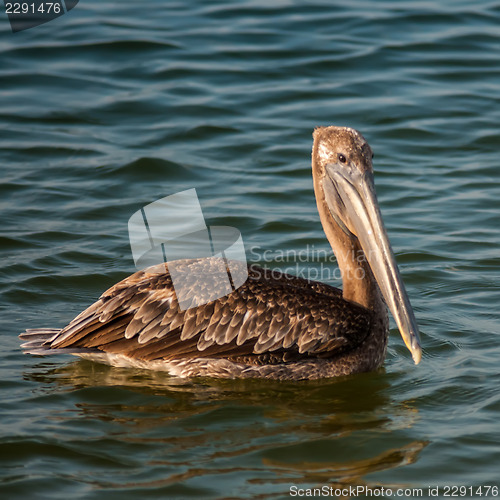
column 349, row 210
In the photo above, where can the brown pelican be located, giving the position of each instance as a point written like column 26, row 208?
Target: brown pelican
column 273, row 326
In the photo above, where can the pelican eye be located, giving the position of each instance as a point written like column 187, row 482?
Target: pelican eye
column 342, row 158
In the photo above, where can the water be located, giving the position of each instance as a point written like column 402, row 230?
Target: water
column 117, row 104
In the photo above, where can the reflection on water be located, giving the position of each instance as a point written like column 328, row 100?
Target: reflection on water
column 342, row 474
column 297, row 432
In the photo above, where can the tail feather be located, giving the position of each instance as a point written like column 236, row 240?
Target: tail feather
column 39, row 342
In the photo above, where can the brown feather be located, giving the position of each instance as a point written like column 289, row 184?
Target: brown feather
column 279, row 319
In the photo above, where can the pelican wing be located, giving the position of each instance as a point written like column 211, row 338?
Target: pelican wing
column 272, row 318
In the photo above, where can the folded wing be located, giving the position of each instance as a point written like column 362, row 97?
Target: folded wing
column 272, row 318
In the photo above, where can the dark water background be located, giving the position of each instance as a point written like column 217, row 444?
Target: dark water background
column 117, row 104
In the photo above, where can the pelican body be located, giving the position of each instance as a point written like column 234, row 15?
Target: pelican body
column 273, row 326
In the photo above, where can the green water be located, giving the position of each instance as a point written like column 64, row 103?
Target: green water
column 117, row 104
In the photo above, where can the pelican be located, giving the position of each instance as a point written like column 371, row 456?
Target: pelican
column 273, row 326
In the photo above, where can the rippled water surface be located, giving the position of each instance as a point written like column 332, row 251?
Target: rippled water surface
column 116, row 104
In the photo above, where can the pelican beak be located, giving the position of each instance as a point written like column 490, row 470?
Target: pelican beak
column 351, row 198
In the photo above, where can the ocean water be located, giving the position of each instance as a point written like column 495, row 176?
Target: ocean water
column 116, row 104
